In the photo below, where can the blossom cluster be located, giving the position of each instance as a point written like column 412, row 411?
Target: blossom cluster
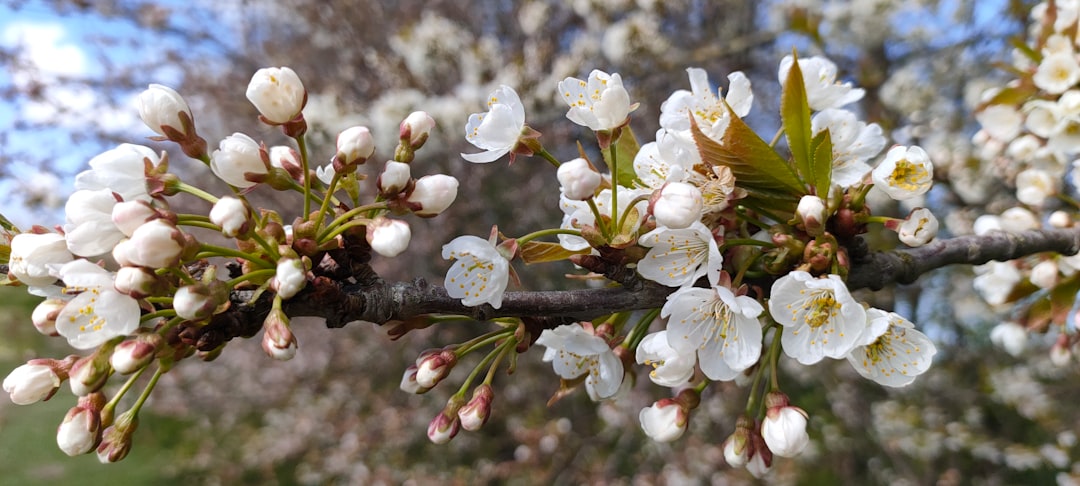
column 137, row 286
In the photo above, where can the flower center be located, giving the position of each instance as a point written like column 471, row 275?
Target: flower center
column 908, row 176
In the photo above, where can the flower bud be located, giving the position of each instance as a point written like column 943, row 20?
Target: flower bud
column 160, row 108
column 920, row 227
column 476, row 413
column 290, row 277
column 432, row 194
column 116, row 439
column 156, row 244
column 1060, row 219
column 678, row 205
column 445, row 425
column 784, row 427
column 33, row 382
column 237, row 156
column 278, row 340
column 277, row 93
column 287, row 159
column 137, row 282
column 128, row 216
column 134, row 354
column 354, row 146
column 578, row 179
column 388, row 237
column 44, row 316
column 1060, row 352
column 416, row 127
column 737, row 447
column 408, row 381
column 433, row 368
column 664, row 421
column 811, row 213
column 80, row 431
column 394, row 178
column 194, row 302
column 90, row 373
column 232, row 215
column 1044, row 274
column 1009, row 336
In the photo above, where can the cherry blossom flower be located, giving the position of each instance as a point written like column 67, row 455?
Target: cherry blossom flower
column 237, row 156
column 920, row 227
column 671, row 158
column 80, row 430
column 578, row 179
column 416, row 128
column 1057, row 72
column 854, row 142
column 497, row 130
column 710, row 114
column 98, row 312
column 476, row 413
column 89, row 229
column 905, row 173
column 679, row 257
column 601, row 103
column 895, row 357
column 354, row 146
column 1011, row 337
column 432, row 194
column 722, row 328
column 670, row 367
column 664, row 421
column 121, row 170
column 995, row 281
column 1035, row 186
column 819, row 316
column 232, row 215
column 394, row 177
column 480, row 273
column 33, row 254
column 678, row 206
column 823, row 91
column 156, row 244
column 573, row 352
column 784, row 430
column 811, row 213
column 277, row 93
column 577, row 214
column 32, row 383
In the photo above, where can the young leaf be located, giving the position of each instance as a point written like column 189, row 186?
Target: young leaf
column 822, row 162
column 542, row 252
column 795, row 117
column 765, row 175
column 626, row 148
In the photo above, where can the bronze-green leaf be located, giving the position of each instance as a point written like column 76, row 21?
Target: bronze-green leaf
column 795, row 117
column 626, row 148
column 542, row 252
column 822, row 162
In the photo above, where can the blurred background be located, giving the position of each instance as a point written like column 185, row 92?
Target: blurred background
column 69, row 71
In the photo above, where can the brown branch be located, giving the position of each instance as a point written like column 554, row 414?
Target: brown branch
column 374, row 300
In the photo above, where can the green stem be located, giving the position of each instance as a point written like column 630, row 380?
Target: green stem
column 301, row 143
column 347, row 216
column 728, row 243
column 195, row 191
column 486, row 338
column 622, row 219
column 326, row 200
column 599, row 219
column 252, row 276
column 206, row 249
column 156, row 314
column 641, row 329
column 345, row 227
column 550, row 158
column 546, row 232
column 149, row 388
column 200, row 224
column 505, row 347
column 614, row 186
column 774, row 358
column 476, row 369
column 123, row 390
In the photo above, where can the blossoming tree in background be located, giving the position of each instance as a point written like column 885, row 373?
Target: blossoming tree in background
column 710, row 253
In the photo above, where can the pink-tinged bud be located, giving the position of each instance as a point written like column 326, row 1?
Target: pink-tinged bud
column 232, row 215
column 138, row 282
column 44, row 316
column 737, row 447
column 664, row 421
column 476, row 413
column 416, row 128
column 1060, row 219
column 194, row 302
column 678, row 205
column 278, row 340
column 278, row 94
column 433, row 368
column 578, row 179
column 408, row 381
column 156, row 244
column 920, row 227
column 290, row 277
column 134, row 354
column 161, row 109
column 33, row 382
column 784, row 427
column 394, row 178
column 388, row 237
column 128, row 216
column 80, row 431
column 116, row 439
column 446, row 425
column 432, row 194
column 811, row 214
column 90, row 373
column 354, row 146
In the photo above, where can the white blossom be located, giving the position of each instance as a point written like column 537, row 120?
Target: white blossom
column 663, row 421
column 822, row 89
column 670, row 368
column 160, row 107
column 419, row 125
column 157, row 244
column 1011, row 337
column 237, row 156
column 722, row 328
column 578, row 180
column 995, row 281
column 433, row 194
column 705, row 106
column 388, row 237
column 354, row 145
column 497, row 130
column 98, row 312
column 896, row 356
column 480, row 273
column 232, row 215
column 394, row 177
column 920, row 227
column 854, row 142
column 289, row 278
column 678, row 206
column 601, row 103
column 31, row 383
column 79, row 432
column 121, row 170
column 905, row 173
column 573, row 352
column 679, row 257
column 1057, row 72
column 784, row 431
column 819, row 316
column 1035, row 186
column 32, row 255
column 277, row 93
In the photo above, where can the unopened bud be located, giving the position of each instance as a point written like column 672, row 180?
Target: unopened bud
column 811, row 214
column 416, row 128
column 433, row 368
column 232, row 215
column 134, row 354
column 394, row 178
column 80, row 431
column 432, row 194
column 678, row 205
column 388, row 237
column 116, row 439
column 90, row 373
column 44, row 316
column 278, row 340
column 476, row 413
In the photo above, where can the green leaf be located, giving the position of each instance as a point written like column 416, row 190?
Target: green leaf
column 769, row 181
column 542, row 252
column 626, row 148
column 795, row 117
column 822, row 162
